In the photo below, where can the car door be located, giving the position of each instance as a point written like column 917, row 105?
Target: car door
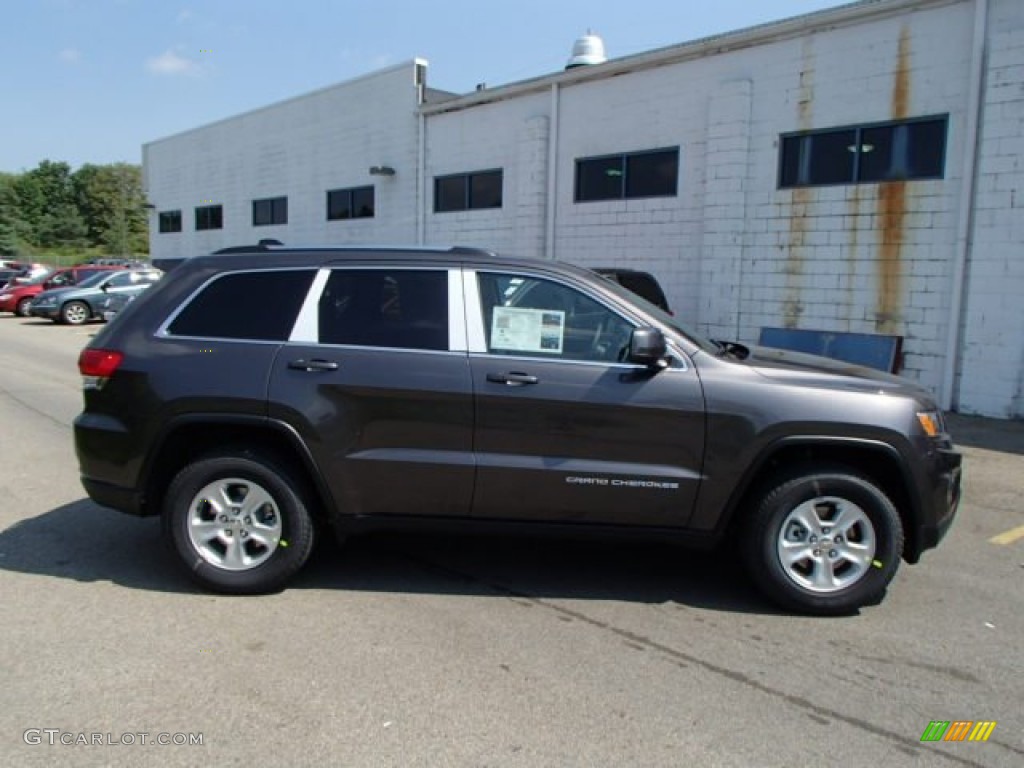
column 376, row 379
column 565, row 430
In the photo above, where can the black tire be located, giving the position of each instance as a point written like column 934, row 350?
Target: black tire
column 21, row 310
column 75, row 313
column 185, row 511
column 827, row 575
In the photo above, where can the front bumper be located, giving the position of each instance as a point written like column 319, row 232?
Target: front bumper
column 50, row 311
column 942, row 501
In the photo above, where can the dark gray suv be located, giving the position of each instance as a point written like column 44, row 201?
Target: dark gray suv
column 260, row 390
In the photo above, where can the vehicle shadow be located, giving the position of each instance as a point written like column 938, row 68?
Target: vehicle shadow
column 87, row 543
column 1004, row 435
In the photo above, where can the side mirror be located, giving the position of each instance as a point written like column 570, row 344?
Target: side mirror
column 104, row 287
column 647, row 347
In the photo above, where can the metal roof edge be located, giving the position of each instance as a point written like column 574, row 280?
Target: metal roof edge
column 851, row 13
column 413, row 63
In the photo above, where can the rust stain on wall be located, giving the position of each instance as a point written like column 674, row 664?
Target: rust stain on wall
column 892, row 208
column 800, row 202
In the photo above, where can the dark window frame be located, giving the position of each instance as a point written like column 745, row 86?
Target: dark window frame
column 381, row 319
column 270, row 211
column 350, row 194
column 169, row 222
column 858, row 131
column 205, row 219
column 247, row 330
column 624, row 174
column 467, row 202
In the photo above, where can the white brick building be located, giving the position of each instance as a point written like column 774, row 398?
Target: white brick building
column 858, row 170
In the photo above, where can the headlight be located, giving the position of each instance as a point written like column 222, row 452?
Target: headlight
column 931, row 422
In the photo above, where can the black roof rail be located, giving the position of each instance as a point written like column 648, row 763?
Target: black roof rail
column 262, row 245
column 470, row 251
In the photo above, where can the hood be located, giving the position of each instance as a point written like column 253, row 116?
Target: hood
column 53, row 293
column 811, row 370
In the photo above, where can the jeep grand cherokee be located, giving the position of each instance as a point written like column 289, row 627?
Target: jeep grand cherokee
column 264, row 388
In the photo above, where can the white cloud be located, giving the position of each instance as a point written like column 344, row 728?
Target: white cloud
column 70, row 56
column 171, row 63
column 185, row 16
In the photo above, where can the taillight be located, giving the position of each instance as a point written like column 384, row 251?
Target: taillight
column 99, row 363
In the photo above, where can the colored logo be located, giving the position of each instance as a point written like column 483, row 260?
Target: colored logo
column 958, row 730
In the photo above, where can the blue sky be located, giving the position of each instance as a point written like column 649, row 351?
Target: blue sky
column 89, row 81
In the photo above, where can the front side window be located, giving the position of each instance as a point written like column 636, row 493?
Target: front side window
column 399, row 308
column 170, row 221
column 260, row 306
column 534, row 317
column 899, row 151
column 653, row 173
column 210, row 217
column 468, row 191
column 354, row 203
column 273, row 210
column 122, row 279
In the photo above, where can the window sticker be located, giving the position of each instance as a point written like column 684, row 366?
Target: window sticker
column 528, row 330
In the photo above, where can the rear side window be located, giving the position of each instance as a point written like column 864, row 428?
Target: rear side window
column 260, row 306
column 399, row 308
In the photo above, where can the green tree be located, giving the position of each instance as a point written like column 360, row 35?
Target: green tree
column 111, row 203
column 10, row 222
column 46, row 201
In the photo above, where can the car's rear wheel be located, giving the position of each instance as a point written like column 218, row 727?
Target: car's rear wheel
column 238, row 522
column 75, row 313
column 824, row 542
column 21, row 310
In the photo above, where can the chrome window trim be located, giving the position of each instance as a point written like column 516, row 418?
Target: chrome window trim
column 412, row 350
column 307, row 324
column 163, row 332
column 682, row 366
column 457, row 336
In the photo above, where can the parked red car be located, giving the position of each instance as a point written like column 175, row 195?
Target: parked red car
column 16, row 298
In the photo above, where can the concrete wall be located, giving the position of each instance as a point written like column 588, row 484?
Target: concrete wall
column 992, row 363
column 299, row 148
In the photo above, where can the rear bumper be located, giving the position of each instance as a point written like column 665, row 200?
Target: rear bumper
column 108, row 465
column 125, row 500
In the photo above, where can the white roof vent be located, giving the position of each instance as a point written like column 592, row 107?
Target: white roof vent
column 587, row 50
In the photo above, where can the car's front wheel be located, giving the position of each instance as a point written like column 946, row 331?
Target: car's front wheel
column 823, row 541
column 238, row 522
column 22, row 308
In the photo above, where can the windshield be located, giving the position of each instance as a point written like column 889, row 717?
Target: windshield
column 42, row 278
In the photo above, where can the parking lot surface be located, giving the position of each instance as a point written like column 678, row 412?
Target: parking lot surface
column 408, row 650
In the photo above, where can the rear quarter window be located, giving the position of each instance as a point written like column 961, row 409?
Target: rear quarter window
column 258, row 306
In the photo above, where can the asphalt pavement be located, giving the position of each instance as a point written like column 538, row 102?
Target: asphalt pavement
column 402, row 650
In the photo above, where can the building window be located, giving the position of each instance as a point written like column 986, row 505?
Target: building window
column 210, row 217
column 273, row 210
column 897, row 151
column 653, row 173
column 354, row 203
column 170, row 221
column 468, row 191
